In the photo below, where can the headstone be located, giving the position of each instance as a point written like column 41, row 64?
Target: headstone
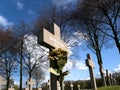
column 108, row 78
column 52, row 40
column 30, row 83
column 90, row 65
column 11, row 88
column 78, row 87
column 48, row 85
column 71, row 86
column 113, row 81
column 39, row 88
column 3, row 83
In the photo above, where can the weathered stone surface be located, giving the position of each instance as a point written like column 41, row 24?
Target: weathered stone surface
column 90, row 65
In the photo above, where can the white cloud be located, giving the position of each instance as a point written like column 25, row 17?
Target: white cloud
column 75, row 64
column 19, row 5
column 69, row 65
column 62, row 2
column 117, row 69
column 88, row 78
column 4, row 22
column 80, row 65
column 30, row 12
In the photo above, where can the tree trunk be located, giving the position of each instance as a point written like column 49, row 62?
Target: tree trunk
column 21, row 48
column 99, row 57
column 8, row 82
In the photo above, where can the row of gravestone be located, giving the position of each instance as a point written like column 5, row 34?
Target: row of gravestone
column 109, row 79
column 89, row 63
column 58, row 85
column 31, row 82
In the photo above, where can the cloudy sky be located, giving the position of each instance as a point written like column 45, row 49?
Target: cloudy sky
column 14, row 11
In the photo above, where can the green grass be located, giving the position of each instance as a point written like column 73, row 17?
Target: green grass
column 110, row 88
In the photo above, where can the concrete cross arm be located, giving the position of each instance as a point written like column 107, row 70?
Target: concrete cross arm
column 51, row 40
column 90, row 63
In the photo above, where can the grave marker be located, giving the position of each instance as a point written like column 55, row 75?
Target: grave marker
column 2, row 82
column 48, row 85
column 52, row 40
column 39, row 88
column 71, row 86
column 30, row 83
column 11, row 88
column 90, row 64
column 78, row 87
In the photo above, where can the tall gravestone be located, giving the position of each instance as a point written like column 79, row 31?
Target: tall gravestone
column 52, row 40
column 90, row 64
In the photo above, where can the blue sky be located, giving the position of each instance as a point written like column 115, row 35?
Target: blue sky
column 14, row 11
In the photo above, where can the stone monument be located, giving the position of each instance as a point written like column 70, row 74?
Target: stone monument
column 52, row 40
column 90, row 65
column 3, row 83
column 29, row 84
column 78, row 87
column 71, row 86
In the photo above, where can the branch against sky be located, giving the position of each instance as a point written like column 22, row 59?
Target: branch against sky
column 34, row 56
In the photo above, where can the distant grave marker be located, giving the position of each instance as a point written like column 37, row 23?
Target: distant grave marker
column 71, row 86
column 90, row 65
column 52, row 40
column 78, row 87
column 30, row 83
column 11, row 88
column 2, row 82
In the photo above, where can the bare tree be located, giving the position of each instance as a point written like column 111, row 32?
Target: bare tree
column 90, row 31
column 33, row 55
column 8, row 60
column 21, row 30
column 38, row 75
column 109, row 10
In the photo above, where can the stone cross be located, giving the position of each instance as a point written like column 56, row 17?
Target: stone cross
column 71, row 86
column 78, row 87
column 90, row 64
column 2, row 82
column 39, row 88
column 52, row 40
column 48, row 85
column 30, row 83
column 108, row 78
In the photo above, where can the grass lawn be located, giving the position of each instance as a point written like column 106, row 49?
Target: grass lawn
column 110, row 88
